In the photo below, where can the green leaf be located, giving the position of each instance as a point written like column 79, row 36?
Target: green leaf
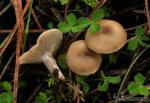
column 63, row 2
column 103, row 87
column 43, row 95
column 139, row 78
column 7, row 86
column 83, row 22
column 102, row 75
column 139, row 31
column 81, row 80
column 75, row 29
column 106, row 12
column 133, row 88
column 64, row 27
column 62, row 61
column 6, row 97
column 94, row 28
column 9, row 97
column 41, row 98
column 71, row 19
column 143, row 90
column 50, row 82
column 113, row 58
column 86, row 87
column 50, row 25
column 3, row 97
column 97, row 15
column 133, row 44
column 113, row 80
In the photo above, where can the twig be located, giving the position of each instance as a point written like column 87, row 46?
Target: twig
column 20, row 24
column 66, row 9
column 8, row 40
column 1, row 3
column 93, row 91
column 100, row 4
column 32, row 31
column 147, row 14
column 131, row 28
column 27, row 27
column 6, row 66
column 36, row 19
column 78, row 99
column 5, row 9
column 34, row 93
column 26, row 6
column 56, row 13
column 12, row 32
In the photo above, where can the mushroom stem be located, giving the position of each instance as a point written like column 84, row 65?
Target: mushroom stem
column 51, row 65
column 47, row 44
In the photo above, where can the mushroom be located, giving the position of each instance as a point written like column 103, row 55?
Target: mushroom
column 44, row 50
column 110, row 38
column 81, row 59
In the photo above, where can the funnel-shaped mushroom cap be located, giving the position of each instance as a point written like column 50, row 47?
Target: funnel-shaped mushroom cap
column 111, row 37
column 50, row 40
column 34, row 55
column 47, row 44
column 82, row 60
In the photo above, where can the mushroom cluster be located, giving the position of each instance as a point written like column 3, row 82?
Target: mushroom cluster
column 84, row 56
column 44, row 50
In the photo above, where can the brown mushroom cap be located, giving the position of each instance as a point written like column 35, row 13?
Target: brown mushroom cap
column 111, row 37
column 50, row 40
column 47, row 44
column 81, row 59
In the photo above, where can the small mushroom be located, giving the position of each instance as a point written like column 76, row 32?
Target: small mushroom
column 111, row 37
column 81, row 59
column 44, row 50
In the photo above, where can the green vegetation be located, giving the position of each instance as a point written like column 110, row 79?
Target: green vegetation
column 77, row 25
column 103, row 86
column 137, row 86
column 138, row 39
column 6, row 96
column 123, row 74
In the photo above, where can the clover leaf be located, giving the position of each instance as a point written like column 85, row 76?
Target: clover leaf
column 7, row 86
column 139, row 39
column 71, row 19
column 63, row 27
column 62, row 61
column 113, row 80
column 133, row 44
column 97, row 15
column 81, row 80
column 106, row 80
column 94, row 27
column 73, row 24
column 139, row 31
column 103, row 87
column 83, row 22
column 139, row 78
column 137, row 86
